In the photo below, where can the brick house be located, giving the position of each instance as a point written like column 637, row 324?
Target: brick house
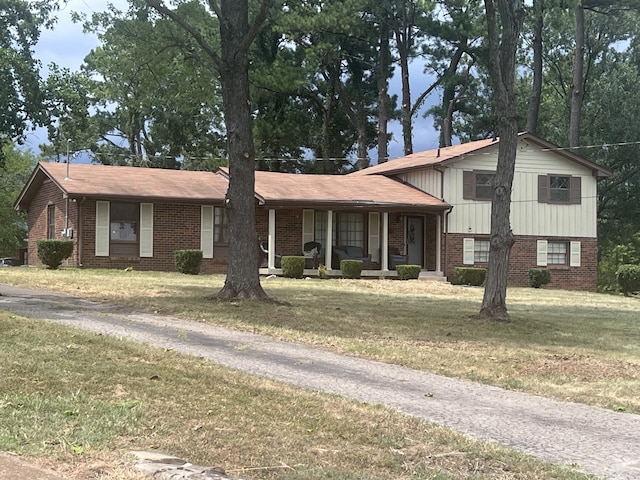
column 430, row 208
column 553, row 210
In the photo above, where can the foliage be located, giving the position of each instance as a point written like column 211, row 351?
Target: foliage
column 351, row 268
column 407, row 272
column 612, row 257
column 53, row 252
column 322, row 271
column 473, row 276
column 21, row 92
column 188, row 261
column 628, row 278
column 14, row 175
column 292, row 266
column 539, row 277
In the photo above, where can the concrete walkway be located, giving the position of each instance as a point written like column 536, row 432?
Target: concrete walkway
column 598, row 441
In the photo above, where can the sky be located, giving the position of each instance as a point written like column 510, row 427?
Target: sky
column 67, row 45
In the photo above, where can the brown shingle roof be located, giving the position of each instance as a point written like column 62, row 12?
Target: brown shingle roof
column 103, row 181
column 280, row 189
column 445, row 155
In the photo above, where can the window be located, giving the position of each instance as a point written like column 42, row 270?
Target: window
column 220, row 226
column 124, row 219
column 481, row 251
column 51, row 221
column 559, row 189
column 477, row 185
column 348, row 229
column 557, row 253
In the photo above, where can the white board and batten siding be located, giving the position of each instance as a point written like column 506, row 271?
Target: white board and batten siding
column 528, row 216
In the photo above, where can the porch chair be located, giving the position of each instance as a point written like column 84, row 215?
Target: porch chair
column 264, row 248
column 311, row 252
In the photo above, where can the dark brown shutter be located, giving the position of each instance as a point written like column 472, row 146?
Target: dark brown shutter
column 543, row 189
column 575, row 192
column 468, row 185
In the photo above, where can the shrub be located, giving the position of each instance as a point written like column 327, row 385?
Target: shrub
column 628, row 277
column 539, row 277
column 53, row 252
column 407, row 272
column 322, row 271
column 292, row 266
column 188, row 261
column 351, row 268
column 470, row 276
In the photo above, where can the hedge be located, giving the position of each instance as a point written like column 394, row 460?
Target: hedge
column 473, row 276
column 53, row 252
column 539, row 277
column 408, row 272
column 351, row 268
column 292, row 266
column 188, row 261
column 628, row 277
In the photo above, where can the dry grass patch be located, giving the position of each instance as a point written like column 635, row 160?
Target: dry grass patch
column 573, row 346
column 80, row 401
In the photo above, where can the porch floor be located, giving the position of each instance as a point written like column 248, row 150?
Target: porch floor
column 336, row 273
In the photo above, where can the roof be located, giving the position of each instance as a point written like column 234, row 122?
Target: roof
column 446, row 155
column 291, row 189
column 115, row 182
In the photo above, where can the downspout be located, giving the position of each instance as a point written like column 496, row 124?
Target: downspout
column 79, row 232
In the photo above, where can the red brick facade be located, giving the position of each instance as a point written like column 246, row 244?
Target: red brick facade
column 524, row 256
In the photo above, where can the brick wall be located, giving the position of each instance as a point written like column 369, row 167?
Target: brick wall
column 523, row 257
column 50, row 194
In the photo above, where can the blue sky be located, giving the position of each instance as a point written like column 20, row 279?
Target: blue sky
column 67, row 45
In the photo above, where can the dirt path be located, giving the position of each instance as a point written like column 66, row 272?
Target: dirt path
column 598, row 441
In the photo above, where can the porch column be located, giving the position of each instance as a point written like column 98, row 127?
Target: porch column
column 328, row 250
column 271, row 261
column 439, row 244
column 384, row 250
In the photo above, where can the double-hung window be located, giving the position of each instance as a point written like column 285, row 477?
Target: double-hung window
column 562, row 189
column 51, row 222
column 477, row 185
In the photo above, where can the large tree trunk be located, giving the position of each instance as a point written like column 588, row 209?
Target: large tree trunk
column 242, row 279
column 536, row 88
column 502, row 70
column 577, row 90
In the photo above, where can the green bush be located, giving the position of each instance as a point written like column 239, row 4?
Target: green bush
column 292, row 266
column 628, row 277
column 351, row 268
column 53, row 252
column 188, row 261
column 470, row 276
column 408, row 272
column 539, row 277
column 322, row 271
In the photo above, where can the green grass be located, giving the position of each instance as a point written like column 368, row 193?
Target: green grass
column 575, row 346
column 80, row 401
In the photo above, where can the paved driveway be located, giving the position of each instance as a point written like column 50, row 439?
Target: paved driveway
column 599, row 441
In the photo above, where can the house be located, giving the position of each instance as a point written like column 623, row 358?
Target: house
column 553, row 210
column 430, row 208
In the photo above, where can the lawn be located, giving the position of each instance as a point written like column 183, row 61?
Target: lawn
column 79, row 401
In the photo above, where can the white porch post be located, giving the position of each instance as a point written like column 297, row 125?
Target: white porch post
column 384, row 261
column 271, row 262
column 439, row 244
column 328, row 251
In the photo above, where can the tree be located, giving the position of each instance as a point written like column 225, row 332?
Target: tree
column 13, row 225
column 502, row 68
column 21, row 95
column 231, row 62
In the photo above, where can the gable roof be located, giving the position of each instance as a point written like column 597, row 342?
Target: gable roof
column 275, row 189
column 447, row 155
column 115, row 182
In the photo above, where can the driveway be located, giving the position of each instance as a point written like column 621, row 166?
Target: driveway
column 598, row 441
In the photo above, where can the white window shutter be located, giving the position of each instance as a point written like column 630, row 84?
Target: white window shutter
column 206, row 231
column 374, row 236
column 574, row 259
column 146, row 229
column 468, row 245
column 308, row 232
column 102, row 228
column 541, row 254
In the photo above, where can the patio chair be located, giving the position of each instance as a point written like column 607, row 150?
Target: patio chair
column 311, row 252
column 264, row 247
column 395, row 258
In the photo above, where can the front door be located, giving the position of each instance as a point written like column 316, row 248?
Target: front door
column 415, row 241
